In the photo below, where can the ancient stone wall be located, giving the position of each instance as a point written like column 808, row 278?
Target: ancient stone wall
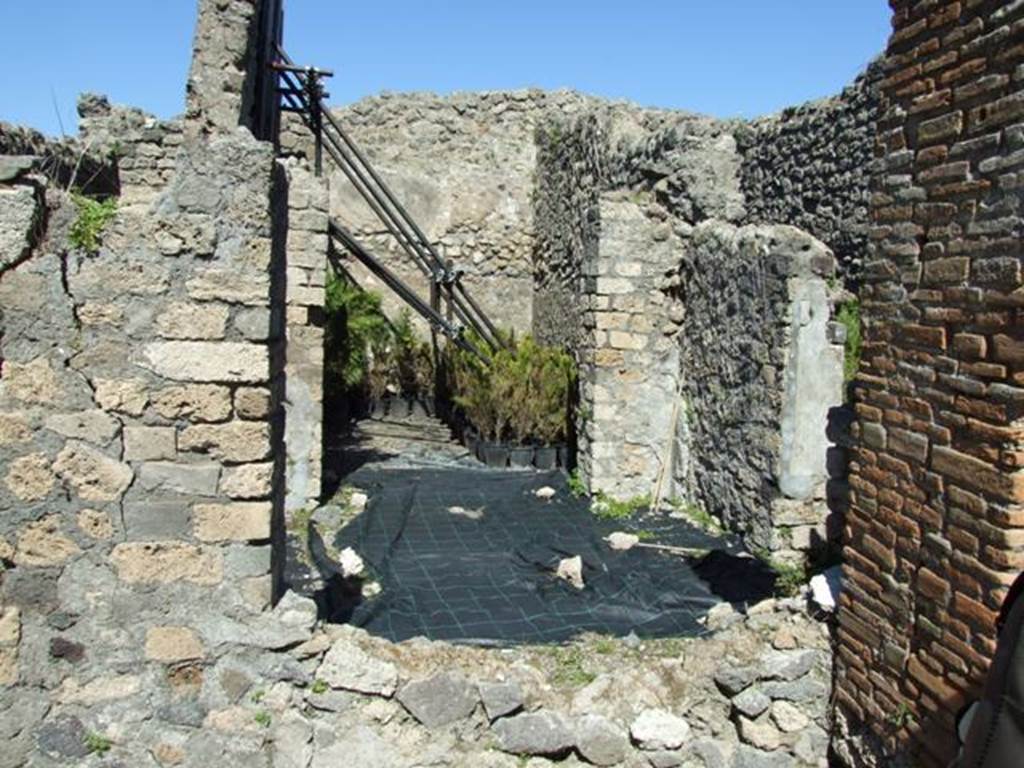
column 934, row 532
column 306, row 272
column 741, row 319
column 629, row 362
column 142, row 430
column 462, row 166
column 759, row 377
column 571, row 155
column 808, row 167
column 221, row 88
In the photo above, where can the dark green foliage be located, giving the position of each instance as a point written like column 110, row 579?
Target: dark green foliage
column 522, row 395
column 412, row 360
column 356, row 333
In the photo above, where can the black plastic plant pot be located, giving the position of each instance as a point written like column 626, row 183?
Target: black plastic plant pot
column 494, row 455
column 521, row 456
column 378, row 409
column 399, row 407
column 563, row 456
column 545, row 457
column 417, row 410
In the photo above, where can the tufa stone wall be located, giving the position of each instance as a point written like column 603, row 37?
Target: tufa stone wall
column 629, row 365
column 220, row 93
column 809, row 167
column 707, row 353
column 462, row 166
column 143, row 434
column 934, row 531
column 760, row 373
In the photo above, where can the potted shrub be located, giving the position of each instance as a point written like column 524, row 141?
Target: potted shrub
column 556, row 379
column 356, row 332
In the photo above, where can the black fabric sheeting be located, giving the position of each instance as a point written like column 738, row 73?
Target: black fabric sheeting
column 492, row 580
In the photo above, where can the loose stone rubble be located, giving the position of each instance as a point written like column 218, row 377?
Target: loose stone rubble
column 299, row 693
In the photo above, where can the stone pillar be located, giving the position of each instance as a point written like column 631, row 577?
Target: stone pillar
column 935, row 532
column 222, row 79
column 304, row 351
column 629, row 366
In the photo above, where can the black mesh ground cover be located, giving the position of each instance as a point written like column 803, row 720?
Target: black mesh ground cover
column 486, row 575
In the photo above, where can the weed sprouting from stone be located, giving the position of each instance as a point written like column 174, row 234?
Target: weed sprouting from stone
column 97, row 743
column 607, row 508
column 262, row 718
column 696, row 514
column 849, row 317
column 570, row 668
column 901, row 716
column 790, row 578
column 319, row 687
column 576, row 485
column 93, row 216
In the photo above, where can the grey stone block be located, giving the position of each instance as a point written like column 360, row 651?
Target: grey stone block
column 439, row 700
column 157, row 520
column 190, row 479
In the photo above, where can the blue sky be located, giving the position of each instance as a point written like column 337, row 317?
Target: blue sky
column 723, row 57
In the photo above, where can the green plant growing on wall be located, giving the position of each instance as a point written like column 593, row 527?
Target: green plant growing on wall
column 849, row 317
column 790, row 578
column 576, row 485
column 902, row 716
column 93, row 216
column 97, row 743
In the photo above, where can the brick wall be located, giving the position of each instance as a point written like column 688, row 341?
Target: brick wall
column 936, row 529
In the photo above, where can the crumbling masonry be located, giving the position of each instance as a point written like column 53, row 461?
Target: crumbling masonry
column 160, row 399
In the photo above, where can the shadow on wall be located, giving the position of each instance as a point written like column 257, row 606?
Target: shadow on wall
column 837, row 467
column 278, row 213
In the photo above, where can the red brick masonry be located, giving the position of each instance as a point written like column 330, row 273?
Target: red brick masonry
column 935, row 532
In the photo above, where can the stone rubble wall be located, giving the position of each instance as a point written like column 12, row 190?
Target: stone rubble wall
column 462, row 167
column 137, row 452
column 220, row 92
column 759, row 376
column 571, row 157
column 642, row 271
column 809, row 167
column 934, row 534
column 142, row 435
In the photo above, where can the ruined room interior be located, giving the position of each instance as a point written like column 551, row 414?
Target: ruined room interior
column 769, row 517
